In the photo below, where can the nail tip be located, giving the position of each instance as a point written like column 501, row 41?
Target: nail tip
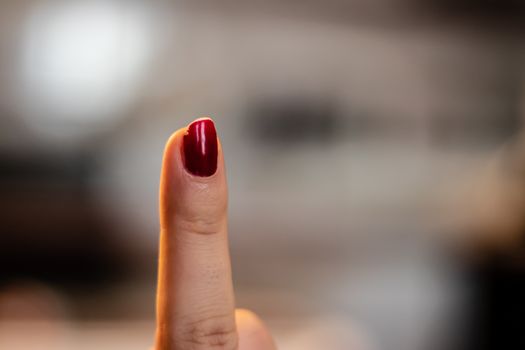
column 206, row 120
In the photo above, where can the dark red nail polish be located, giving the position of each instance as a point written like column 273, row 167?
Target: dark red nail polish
column 200, row 148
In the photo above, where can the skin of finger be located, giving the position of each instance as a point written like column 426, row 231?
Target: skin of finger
column 195, row 300
column 253, row 333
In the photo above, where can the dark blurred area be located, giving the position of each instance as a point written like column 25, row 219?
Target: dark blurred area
column 375, row 153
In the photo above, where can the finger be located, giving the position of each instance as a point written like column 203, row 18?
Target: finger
column 195, row 302
column 253, row 334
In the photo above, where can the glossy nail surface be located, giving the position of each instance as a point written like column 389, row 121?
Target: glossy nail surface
column 200, row 148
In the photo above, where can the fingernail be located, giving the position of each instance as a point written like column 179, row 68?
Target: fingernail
column 200, row 148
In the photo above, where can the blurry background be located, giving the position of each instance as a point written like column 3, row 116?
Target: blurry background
column 375, row 156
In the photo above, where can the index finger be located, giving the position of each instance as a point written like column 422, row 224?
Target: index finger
column 195, row 301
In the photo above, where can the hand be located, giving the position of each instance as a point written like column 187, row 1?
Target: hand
column 195, row 299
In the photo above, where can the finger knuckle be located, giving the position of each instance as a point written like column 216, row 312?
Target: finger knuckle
column 200, row 225
column 214, row 333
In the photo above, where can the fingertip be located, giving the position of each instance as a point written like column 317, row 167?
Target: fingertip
column 247, row 316
column 196, row 149
column 193, row 182
column 253, row 333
